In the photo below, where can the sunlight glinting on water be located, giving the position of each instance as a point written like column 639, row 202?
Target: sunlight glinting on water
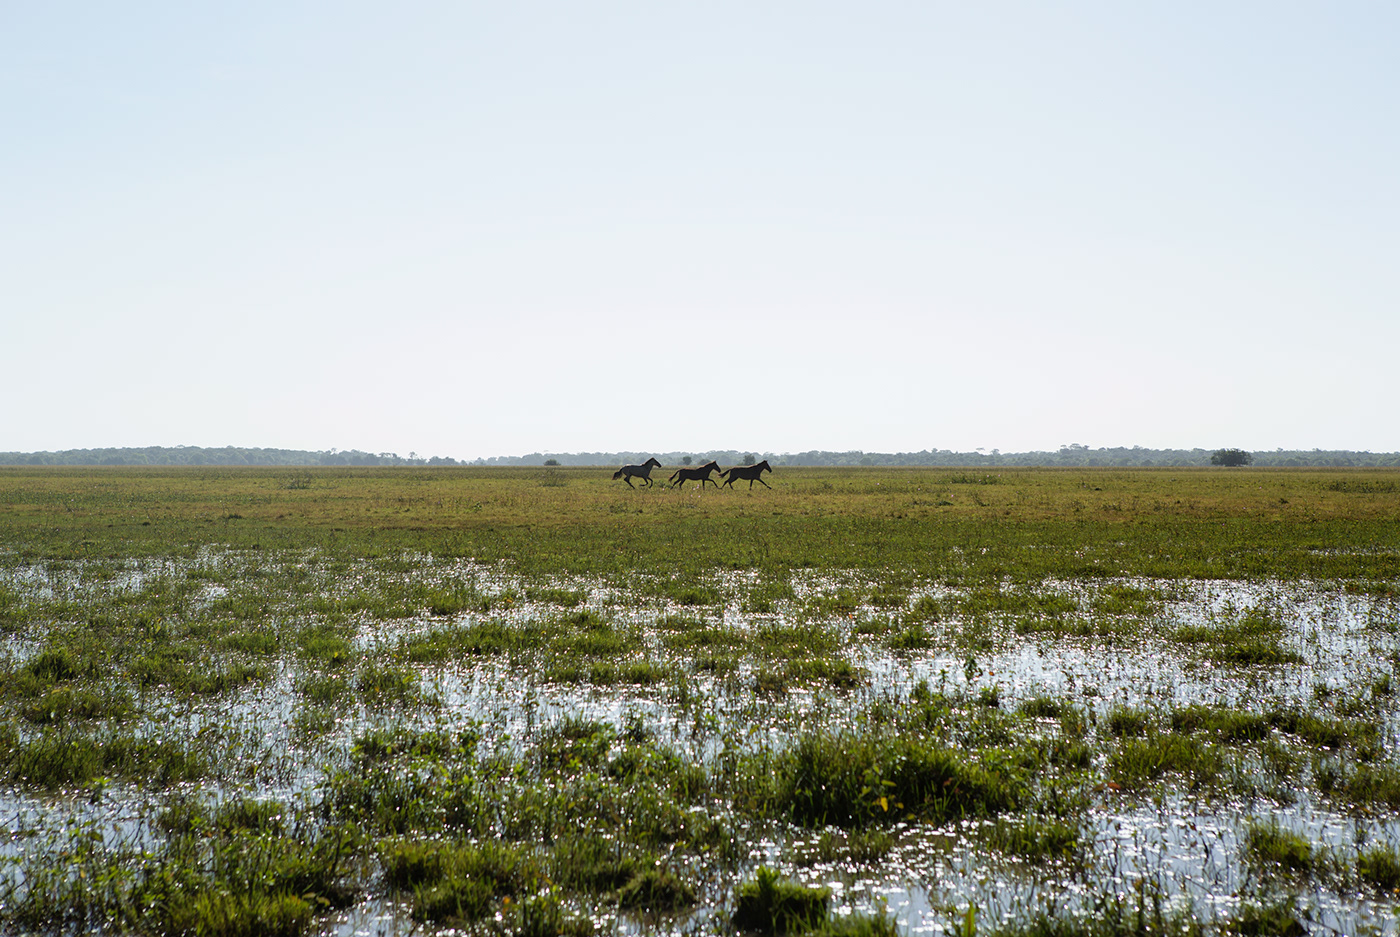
column 1186, row 847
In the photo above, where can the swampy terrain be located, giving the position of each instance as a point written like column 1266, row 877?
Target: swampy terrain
column 536, row 702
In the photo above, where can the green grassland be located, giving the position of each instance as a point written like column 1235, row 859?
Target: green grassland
column 538, row 702
column 1026, row 523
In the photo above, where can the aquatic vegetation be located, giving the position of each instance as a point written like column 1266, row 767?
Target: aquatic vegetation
column 1379, row 867
column 499, row 705
column 854, row 780
column 770, row 905
column 67, row 757
column 1041, row 707
column 324, row 645
column 655, row 889
column 1144, row 915
column 1269, row 847
column 1038, row 838
column 461, row 882
column 1278, row 918
column 386, row 684
column 1128, row 723
column 915, row 637
column 1363, row 786
column 1140, row 761
column 66, row 704
column 1224, row 725
column 984, row 600
column 1125, row 599
column 568, row 598
column 220, row 878
column 1252, row 638
column 765, row 596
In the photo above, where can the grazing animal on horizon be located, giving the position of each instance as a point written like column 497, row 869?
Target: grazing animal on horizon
column 700, row 473
column 754, row 473
column 643, row 471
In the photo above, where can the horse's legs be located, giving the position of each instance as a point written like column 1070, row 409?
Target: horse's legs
column 763, row 483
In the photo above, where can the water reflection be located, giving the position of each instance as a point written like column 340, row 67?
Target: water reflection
column 1184, row 847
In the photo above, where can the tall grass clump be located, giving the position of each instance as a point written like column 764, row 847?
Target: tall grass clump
column 388, row 684
column 63, row 705
column 1225, row 725
column 913, row 637
column 769, row 904
column 1123, row 722
column 567, row 598
column 454, row 600
column 326, row 646
column 68, row 757
column 1139, row 761
column 657, row 890
column 1362, row 787
column 764, row 597
column 1038, row 838
column 1379, row 867
column 1278, row 918
column 994, row 599
column 461, row 884
column 476, row 639
column 1126, row 600
column 12, row 607
column 1268, row 848
column 587, row 634
column 851, row 780
column 1143, row 914
column 202, row 878
column 1253, row 638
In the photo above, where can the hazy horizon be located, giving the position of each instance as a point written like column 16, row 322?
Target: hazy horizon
column 1072, row 455
column 469, row 231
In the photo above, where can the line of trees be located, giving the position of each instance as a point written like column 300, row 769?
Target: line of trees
column 227, row 455
column 1073, row 455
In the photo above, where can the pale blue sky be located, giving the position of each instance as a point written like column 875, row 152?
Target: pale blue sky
column 472, row 230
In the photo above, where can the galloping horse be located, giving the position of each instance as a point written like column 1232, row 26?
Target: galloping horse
column 754, row 473
column 643, row 471
column 700, row 473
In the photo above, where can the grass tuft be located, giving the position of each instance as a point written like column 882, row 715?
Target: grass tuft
column 1269, row 847
column 769, row 904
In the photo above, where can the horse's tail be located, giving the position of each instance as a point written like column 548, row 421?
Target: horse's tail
column 617, row 474
column 673, row 475
column 725, row 472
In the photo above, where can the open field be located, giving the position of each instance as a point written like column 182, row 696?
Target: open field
column 534, row 701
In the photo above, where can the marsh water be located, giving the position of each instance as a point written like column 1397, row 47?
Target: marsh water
column 1176, row 842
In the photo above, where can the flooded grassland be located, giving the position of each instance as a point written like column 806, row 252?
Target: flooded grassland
column 533, row 702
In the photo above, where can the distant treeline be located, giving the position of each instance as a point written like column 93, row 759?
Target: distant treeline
column 1068, row 456
column 228, row 455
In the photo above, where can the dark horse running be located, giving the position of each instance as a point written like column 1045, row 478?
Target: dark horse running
column 700, row 473
column 643, row 471
column 754, row 473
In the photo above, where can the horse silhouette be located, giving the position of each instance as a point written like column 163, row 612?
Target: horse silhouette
column 643, row 471
column 700, row 473
column 754, row 473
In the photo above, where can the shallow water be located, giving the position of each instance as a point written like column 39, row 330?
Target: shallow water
column 1186, row 847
